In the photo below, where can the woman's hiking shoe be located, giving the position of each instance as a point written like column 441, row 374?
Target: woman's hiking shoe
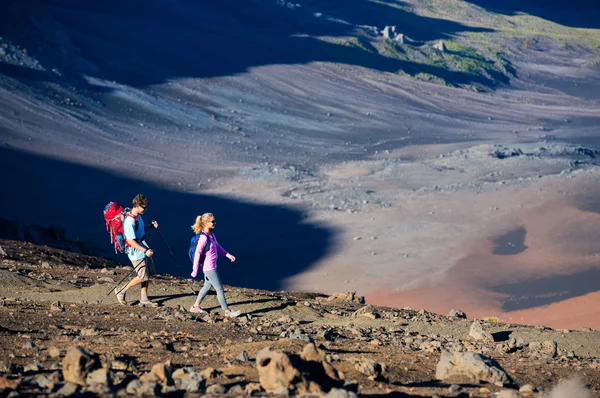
column 121, row 298
column 197, row 310
column 148, row 303
column 233, row 313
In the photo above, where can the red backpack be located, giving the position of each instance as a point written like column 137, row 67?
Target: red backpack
column 115, row 214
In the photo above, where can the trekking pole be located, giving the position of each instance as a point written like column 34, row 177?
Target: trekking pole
column 118, row 283
column 174, row 258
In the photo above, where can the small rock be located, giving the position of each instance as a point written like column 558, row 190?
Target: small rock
column 89, row 332
column 35, row 366
column 527, row 388
column 99, row 376
column 77, row 363
column 508, row 394
column 53, row 352
column 340, row 393
column 243, row 356
column 215, row 389
column 478, row 333
column 68, row 390
column 146, row 389
column 457, row 314
column 370, row 368
column 454, row 388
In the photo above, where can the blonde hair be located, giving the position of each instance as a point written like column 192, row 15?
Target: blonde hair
column 201, row 222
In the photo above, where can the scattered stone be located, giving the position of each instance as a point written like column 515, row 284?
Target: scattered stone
column 29, row 346
column 53, row 352
column 478, row 333
column 367, row 311
column 440, row 46
column 454, row 388
column 215, row 389
column 508, row 394
column 160, row 373
column 457, row 314
column 280, row 372
column 7, row 368
column 310, row 352
column 350, row 296
column 143, row 389
column 89, row 332
column 210, row 373
column 105, row 279
column 236, row 390
column 99, row 376
column 68, row 390
column 6, row 383
column 471, row 365
column 56, row 306
column 243, row 356
column 252, row 388
column 527, row 388
column 550, row 348
column 78, row 363
column 340, row 393
column 193, row 382
column 118, row 365
column 3, row 252
column 41, row 381
column 35, row 366
column 285, row 319
column 370, row 368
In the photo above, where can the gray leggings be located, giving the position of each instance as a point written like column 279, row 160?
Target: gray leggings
column 211, row 278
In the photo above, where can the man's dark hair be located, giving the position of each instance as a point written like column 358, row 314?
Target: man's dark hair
column 140, row 200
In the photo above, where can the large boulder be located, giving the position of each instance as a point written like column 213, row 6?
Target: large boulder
column 472, row 366
column 283, row 373
column 78, row 363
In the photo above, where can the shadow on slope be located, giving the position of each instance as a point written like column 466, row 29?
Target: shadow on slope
column 545, row 291
column 573, row 13
column 271, row 242
column 141, row 44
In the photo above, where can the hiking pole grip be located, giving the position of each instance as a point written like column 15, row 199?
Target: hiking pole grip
column 175, row 258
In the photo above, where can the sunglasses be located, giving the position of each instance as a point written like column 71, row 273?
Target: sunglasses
column 213, row 221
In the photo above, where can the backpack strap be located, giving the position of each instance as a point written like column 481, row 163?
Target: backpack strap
column 207, row 242
column 135, row 218
column 137, row 225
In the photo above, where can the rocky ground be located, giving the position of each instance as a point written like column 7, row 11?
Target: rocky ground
column 406, row 173
column 61, row 336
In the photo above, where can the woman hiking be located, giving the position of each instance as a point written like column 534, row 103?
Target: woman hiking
column 207, row 253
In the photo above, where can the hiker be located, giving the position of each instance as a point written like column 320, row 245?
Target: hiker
column 207, row 252
column 138, row 251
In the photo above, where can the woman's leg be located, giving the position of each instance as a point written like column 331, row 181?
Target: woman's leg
column 213, row 276
column 204, row 291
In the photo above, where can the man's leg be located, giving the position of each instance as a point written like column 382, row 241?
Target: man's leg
column 148, row 271
column 144, row 291
column 141, row 277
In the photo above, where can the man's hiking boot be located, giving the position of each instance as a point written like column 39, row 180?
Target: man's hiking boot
column 148, row 303
column 233, row 313
column 197, row 310
column 121, row 298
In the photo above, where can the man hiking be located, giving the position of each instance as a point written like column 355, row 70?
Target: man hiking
column 138, row 251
